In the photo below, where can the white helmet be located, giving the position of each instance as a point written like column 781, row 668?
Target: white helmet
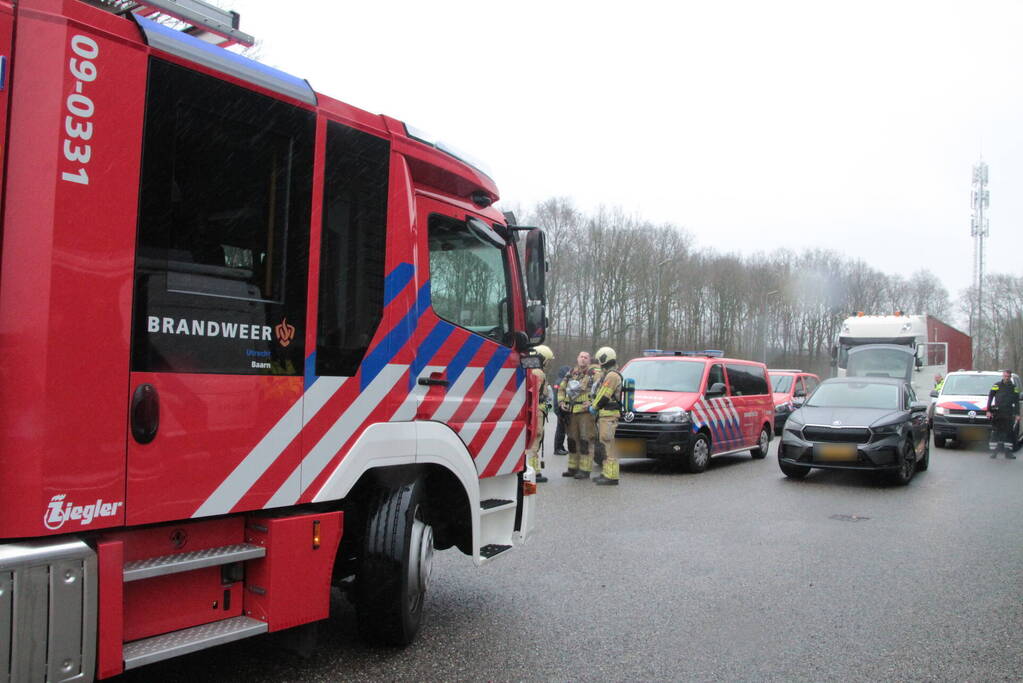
column 605, row 355
column 545, row 352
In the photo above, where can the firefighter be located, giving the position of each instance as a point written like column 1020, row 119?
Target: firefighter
column 534, row 453
column 607, row 406
column 574, row 400
column 561, row 416
column 1003, row 409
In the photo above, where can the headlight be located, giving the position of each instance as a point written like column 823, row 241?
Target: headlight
column 783, row 408
column 938, row 410
column 677, row 416
column 887, row 430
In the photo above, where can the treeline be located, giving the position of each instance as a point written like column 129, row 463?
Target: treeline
column 620, row 280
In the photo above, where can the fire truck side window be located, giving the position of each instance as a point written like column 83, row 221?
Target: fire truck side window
column 223, row 234
column 468, row 279
column 351, row 299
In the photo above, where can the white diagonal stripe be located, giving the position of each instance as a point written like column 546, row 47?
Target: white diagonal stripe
column 456, row 394
column 325, row 449
column 518, row 448
column 410, row 406
column 259, row 459
column 485, row 405
column 501, row 430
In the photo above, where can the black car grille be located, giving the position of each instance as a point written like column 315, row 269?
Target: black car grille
column 642, row 417
column 833, row 435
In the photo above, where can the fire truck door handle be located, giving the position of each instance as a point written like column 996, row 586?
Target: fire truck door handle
column 433, row 380
column 145, row 413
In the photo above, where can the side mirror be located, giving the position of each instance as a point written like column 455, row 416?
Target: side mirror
column 535, row 267
column 919, row 406
column 717, row 389
column 934, row 393
column 530, row 361
column 798, row 400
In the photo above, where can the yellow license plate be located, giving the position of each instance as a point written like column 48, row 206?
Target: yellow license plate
column 973, row 434
column 835, row 452
column 631, row 448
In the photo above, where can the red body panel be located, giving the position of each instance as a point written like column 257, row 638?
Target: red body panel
column 960, row 345
column 291, row 585
column 110, row 624
column 65, row 278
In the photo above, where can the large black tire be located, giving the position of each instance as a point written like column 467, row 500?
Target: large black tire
column 759, row 452
column 793, row 471
column 394, row 569
column 903, row 474
column 698, row 455
column 925, row 461
column 940, row 441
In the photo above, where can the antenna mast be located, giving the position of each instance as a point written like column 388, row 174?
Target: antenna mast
column 979, row 199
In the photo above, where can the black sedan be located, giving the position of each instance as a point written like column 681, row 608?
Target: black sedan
column 858, row 423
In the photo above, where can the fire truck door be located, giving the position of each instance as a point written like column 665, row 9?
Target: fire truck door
column 464, row 365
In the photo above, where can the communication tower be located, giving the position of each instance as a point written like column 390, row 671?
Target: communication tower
column 979, row 199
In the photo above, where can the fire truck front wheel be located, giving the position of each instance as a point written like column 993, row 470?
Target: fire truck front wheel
column 395, row 567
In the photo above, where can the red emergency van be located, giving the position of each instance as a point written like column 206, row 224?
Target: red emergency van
column 256, row 342
column 694, row 405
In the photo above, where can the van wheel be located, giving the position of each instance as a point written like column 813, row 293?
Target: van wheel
column 699, row 454
column 759, row 452
column 395, row 567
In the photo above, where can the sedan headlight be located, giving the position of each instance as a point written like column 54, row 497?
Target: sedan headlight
column 673, row 416
column 887, row 430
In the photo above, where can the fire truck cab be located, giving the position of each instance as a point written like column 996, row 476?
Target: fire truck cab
column 256, row 342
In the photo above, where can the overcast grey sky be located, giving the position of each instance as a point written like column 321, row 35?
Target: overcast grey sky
column 754, row 125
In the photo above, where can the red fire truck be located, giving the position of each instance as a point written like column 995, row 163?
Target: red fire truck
column 256, row 342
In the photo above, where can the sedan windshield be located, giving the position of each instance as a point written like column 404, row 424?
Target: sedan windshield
column 970, row 385
column 665, row 375
column 781, row 384
column 855, row 395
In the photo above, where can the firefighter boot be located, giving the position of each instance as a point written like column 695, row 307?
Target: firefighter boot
column 585, row 463
column 540, row 479
column 604, row 481
column 609, row 475
column 569, row 473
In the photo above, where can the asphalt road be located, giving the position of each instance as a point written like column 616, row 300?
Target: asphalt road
column 733, row 574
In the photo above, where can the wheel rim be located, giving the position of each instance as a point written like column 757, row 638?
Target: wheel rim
column 763, row 441
column 907, row 464
column 700, row 452
column 420, row 565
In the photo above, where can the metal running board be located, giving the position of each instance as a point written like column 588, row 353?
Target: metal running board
column 148, row 650
column 489, row 551
column 496, row 505
column 186, row 562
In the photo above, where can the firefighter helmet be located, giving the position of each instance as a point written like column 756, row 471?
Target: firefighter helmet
column 605, row 355
column 545, row 352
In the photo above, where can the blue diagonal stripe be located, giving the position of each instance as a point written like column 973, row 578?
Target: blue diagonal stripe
column 465, row 354
column 428, row 349
column 495, row 364
column 396, row 281
column 310, row 370
column 388, row 348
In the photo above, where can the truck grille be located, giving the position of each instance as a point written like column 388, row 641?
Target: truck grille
column 836, row 435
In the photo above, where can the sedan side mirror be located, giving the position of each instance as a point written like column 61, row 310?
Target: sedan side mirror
column 934, row 394
column 919, row 406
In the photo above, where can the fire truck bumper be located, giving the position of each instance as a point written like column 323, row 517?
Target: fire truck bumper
column 48, row 603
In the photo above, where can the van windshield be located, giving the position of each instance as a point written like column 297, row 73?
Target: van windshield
column 969, row 385
column 665, row 375
column 781, row 384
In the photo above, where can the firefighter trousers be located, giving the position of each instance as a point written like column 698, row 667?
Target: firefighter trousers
column 580, row 441
column 1001, row 432
column 534, row 453
column 606, row 426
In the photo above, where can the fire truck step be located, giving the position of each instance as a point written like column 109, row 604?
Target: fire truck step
column 495, row 505
column 186, row 562
column 489, row 551
column 148, row 650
